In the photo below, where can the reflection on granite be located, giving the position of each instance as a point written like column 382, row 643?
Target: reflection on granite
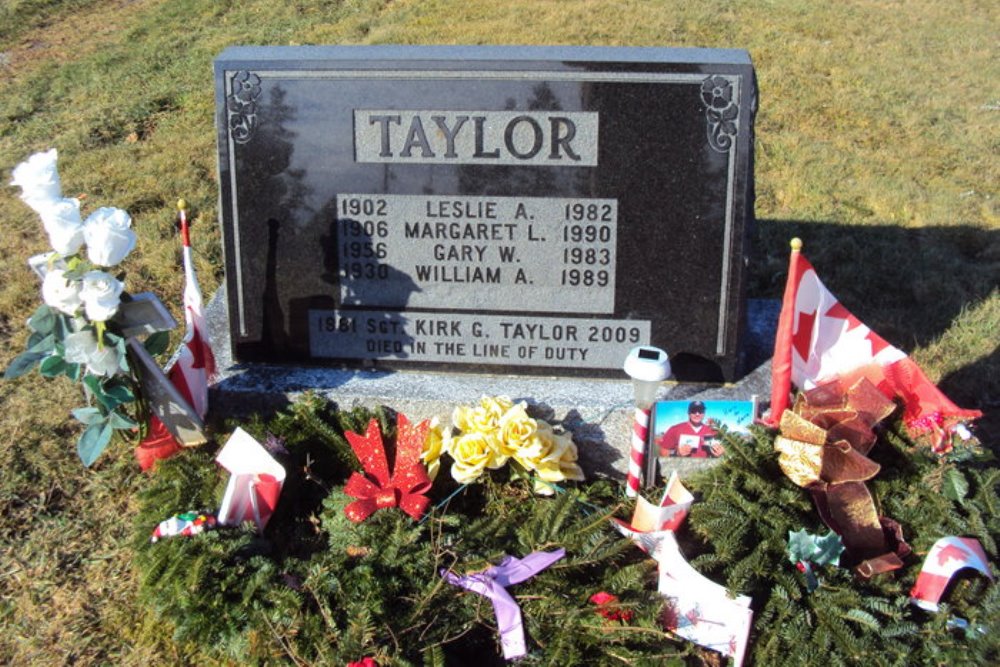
column 652, row 147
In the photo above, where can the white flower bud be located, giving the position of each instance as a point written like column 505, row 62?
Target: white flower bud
column 108, row 237
column 61, row 218
column 60, row 293
column 101, row 295
column 82, row 348
column 38, row 179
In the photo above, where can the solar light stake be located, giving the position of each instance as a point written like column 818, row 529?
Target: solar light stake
column 648, row 367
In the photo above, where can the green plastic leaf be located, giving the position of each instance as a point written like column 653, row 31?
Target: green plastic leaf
column 22, row 363
column 44, row 345
column 121, row 347
column 88, row 415
column 74, row 371
column 120, row 421
column 93, row 383
column 117, row 394
column 43, row 320
column 34, row 339
column 52, row 366
column 93, row 441
column 956, row 486
column 157, row 343
column 63, row 327
column 801, row 546
column 828, row 549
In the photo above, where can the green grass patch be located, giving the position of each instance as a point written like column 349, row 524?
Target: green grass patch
column 876, row 144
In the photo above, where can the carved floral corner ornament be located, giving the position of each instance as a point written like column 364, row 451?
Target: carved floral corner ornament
column 721, row 112
column 241, row 103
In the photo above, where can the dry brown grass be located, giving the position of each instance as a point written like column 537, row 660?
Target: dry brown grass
column 877, row 142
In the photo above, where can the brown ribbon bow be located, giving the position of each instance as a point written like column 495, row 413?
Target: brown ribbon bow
column 823, row 445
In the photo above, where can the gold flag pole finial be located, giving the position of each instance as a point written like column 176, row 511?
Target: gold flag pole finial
column 182, row 205
column 796, row 244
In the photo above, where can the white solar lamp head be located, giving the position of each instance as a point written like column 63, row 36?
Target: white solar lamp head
column 647, row 366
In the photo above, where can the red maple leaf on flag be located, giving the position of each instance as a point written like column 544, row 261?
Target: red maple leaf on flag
column 952, row 552
column 838, row 311
column 802, row 340
column 670, row 616
column 818, row 341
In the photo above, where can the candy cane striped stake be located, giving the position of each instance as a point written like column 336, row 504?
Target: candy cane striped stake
column 648, row 367
column 637, row 460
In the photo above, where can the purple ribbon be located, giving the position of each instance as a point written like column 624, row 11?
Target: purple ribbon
column 493, row 584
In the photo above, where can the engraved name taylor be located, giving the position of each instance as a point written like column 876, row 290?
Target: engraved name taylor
column 499, row 137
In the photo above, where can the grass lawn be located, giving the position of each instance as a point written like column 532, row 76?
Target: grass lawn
column 877, row 142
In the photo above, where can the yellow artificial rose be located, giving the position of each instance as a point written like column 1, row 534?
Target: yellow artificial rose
column 552, row 456
column 433, row 446
column 473, row 453
column 568, row 461
column 516, row 429
column 542, row 488
column 483, row 418
column 496, row 430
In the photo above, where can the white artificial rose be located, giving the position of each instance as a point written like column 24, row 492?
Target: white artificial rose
column 38, row 179
column 63, row 224
column 101, row 295
column 60, row 293
column 82, row 348
column 108, row 236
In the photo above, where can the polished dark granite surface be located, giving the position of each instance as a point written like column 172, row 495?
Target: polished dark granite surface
column 505, row 209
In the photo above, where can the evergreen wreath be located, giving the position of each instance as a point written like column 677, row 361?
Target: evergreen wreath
column 319, row 589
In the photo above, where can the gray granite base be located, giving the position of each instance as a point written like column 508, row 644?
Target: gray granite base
column 597, row 412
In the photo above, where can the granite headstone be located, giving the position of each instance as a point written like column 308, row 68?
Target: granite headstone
column 528, row 210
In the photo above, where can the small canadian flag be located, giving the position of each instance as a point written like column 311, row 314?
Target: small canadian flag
column 946, row 557
column 195, row 364
column 194, row 367
column 819, row 341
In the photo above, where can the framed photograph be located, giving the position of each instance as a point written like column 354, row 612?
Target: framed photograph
column 690, row 429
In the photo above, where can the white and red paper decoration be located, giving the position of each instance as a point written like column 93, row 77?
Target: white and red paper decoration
column 946, row 557
column 699, row 609
column 255, row 482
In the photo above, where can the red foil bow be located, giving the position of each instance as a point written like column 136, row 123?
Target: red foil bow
column 377, row 489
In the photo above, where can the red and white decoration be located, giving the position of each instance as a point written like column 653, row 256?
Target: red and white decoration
column 668, row 515
column 946, row 557
column 820, row 341
column 637, row 456
column 194, row 367
column 255, row 481
column 699, row 609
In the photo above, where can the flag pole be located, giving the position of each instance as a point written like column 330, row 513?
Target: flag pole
column 182, row 221
column 781, row 362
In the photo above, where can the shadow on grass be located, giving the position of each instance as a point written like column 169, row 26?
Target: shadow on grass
column 908, row 285
column 978, row 385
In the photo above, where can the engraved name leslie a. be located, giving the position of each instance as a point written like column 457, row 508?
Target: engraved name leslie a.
column 565, row 138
